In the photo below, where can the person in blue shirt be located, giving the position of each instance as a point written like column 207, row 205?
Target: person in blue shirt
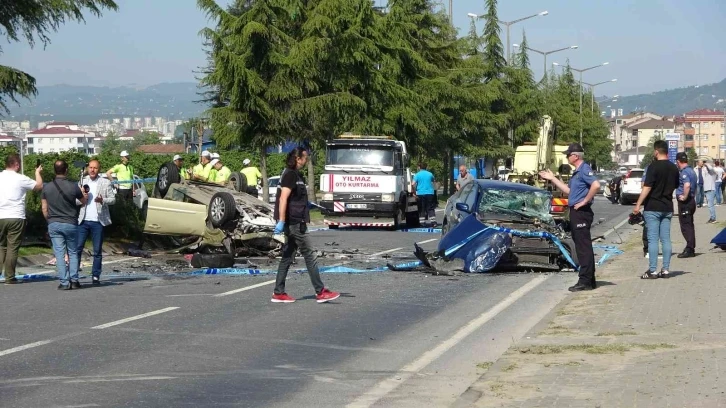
column 423, row 182
column 686, row 196
column 582, row 189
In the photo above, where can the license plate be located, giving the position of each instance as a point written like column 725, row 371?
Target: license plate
column 356, row 206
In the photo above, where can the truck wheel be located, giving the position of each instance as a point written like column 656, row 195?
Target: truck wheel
column 238, row 182
column 168, row 174
column 222, row 209
column 412, row 220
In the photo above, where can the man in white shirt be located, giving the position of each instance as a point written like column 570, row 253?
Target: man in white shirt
column 719, row 179
column 12, row 212
column 94, row 216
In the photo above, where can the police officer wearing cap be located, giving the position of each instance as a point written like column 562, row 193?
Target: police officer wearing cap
column 686, row 196
column 582, row 190
column 179, row 161
column 201, row 170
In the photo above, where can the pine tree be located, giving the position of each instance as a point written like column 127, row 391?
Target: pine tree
column 34, row 21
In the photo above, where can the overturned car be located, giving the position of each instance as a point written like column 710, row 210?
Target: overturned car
column 493, row 224
column 222, row 216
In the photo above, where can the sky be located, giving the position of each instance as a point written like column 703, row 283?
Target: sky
column 651, row 45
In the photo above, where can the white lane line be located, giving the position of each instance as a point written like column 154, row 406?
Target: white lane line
column 246, row 288
column 611, row 230
column 427, row 241
column 25, row 347
column 132, row 318
column 385, row 252
column 384, row 387
column 191, row 294
column 118, row 260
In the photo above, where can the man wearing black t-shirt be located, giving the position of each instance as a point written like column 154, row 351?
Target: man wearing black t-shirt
column 661, row 180
column 292, row 215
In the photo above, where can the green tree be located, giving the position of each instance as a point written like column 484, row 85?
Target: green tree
column 648, row 150
column 249, row 52
column 34, row 21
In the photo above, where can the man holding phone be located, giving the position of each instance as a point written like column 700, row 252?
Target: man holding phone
column 94, row 216
column 12, row 212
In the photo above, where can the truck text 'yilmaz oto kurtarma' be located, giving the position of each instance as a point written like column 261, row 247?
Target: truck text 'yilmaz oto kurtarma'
column 367, row 182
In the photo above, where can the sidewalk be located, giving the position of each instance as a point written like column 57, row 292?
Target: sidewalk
column 630, row 343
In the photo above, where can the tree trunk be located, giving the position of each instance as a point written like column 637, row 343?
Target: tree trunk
column 446, row 171
column 311, row 180
column 263, row 170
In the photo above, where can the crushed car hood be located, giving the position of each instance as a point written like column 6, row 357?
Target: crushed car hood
column 481, row 246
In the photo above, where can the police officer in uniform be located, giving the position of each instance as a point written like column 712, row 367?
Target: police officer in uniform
column 582, row 189
column 686, row 196
column 292, row 216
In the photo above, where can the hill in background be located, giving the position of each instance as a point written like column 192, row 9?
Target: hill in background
column 674, row 101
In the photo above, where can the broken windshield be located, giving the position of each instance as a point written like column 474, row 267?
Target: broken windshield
column 378, row 156
column 527, row 204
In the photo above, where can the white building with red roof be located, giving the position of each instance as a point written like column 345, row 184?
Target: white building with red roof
column 57, row 137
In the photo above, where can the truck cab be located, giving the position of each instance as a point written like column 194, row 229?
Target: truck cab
column 367, row 183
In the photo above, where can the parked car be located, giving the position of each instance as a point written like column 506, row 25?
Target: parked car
column 141, row 199
column 623, row 170
column 604, row 178
column 272, row 183
column 630, row 186
column 515, row 206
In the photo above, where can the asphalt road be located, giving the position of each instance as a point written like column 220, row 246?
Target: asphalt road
column 392, row 339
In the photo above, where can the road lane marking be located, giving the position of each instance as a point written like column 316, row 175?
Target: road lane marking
column 132, row 318
column 384, row 387
column 427, row 241
column 246, row 288
column 611, row 230
column 25, row 347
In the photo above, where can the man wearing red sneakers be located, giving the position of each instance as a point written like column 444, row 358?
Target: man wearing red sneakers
column 292, row 215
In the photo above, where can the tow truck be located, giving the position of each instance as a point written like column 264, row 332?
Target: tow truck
column 530, row 158
column 367, row 183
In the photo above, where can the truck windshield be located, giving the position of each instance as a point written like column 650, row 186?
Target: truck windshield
column 359, row 156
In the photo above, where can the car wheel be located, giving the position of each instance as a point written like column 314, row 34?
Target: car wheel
column 212, row 260
column 168, row 174
column 222, row 209
column 238, row 182
column 412, row 220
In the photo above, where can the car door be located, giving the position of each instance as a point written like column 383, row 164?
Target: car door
column 167, row 217
column 464, row 194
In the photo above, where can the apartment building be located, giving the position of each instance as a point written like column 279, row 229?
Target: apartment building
column 704, row 131
column 59, row 137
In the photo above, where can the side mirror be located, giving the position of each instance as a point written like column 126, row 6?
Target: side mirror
column 463, row 207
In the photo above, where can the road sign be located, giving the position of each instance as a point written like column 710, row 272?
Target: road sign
column 672, row 148
column 673, row 136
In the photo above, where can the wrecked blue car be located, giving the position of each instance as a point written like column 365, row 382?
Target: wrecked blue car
column 500, row 226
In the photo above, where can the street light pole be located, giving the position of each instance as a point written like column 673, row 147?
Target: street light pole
column 592, row 89
column 546, row 53
column 508, row 24
column 581, row 71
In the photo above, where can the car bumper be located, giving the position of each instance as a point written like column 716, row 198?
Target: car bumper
column 347, row 209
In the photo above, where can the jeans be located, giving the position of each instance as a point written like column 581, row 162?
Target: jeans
column 718, row 193
column 11, row 235
column 427, row 206
column 296, row 238
column 699, row 195
column 711, row 198
column 659, row 228
column 64, row 238
column 95, row 229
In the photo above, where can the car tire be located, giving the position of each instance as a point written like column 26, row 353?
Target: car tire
column 212, row 260
column 569, row 245
column 222, row 209
column 167, row 175
column 412, row 220
column 238, row 182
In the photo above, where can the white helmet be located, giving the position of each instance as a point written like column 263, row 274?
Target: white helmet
column 246, row 162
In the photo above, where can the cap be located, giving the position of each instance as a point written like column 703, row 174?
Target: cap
column 574, row 148
column 177, row 157
column 214, row 161
column 682, row 157
column 215, row 155
column 124, row 154
column 206, row 153
column 246, row 162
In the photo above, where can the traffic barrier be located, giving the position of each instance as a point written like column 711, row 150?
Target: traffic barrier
column 249, row 271
column 418, row 230
column 609, row 252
